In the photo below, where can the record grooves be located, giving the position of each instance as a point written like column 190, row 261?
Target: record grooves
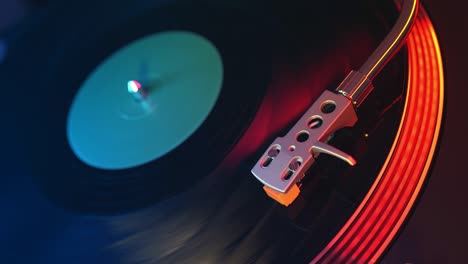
column 199, row 203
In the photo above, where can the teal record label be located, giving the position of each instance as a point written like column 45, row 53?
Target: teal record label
column 144, row 100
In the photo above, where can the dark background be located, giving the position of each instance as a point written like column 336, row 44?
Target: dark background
column 438, row 228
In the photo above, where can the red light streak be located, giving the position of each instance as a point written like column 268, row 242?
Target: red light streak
column 374, row 224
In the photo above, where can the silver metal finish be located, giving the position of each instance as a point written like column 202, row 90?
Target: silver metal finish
column 393, row 41
column 356, row 87
column 285, row 162
column 289, row 157
column 381, row 56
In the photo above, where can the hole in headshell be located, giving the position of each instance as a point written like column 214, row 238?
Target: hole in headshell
column 271, row 155
column 315, row 122
column 328, row 107
column 293, row 166
column 288, row 175
column 302, row 136
column 267, row 162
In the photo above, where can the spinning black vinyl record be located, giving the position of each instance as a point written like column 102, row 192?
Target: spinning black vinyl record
column 138, row 123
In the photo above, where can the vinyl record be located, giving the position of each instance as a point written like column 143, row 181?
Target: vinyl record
column 198, row 203
column 246, row 44
column 245, row 58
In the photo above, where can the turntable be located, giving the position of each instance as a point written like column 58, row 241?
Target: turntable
column 219, row 132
